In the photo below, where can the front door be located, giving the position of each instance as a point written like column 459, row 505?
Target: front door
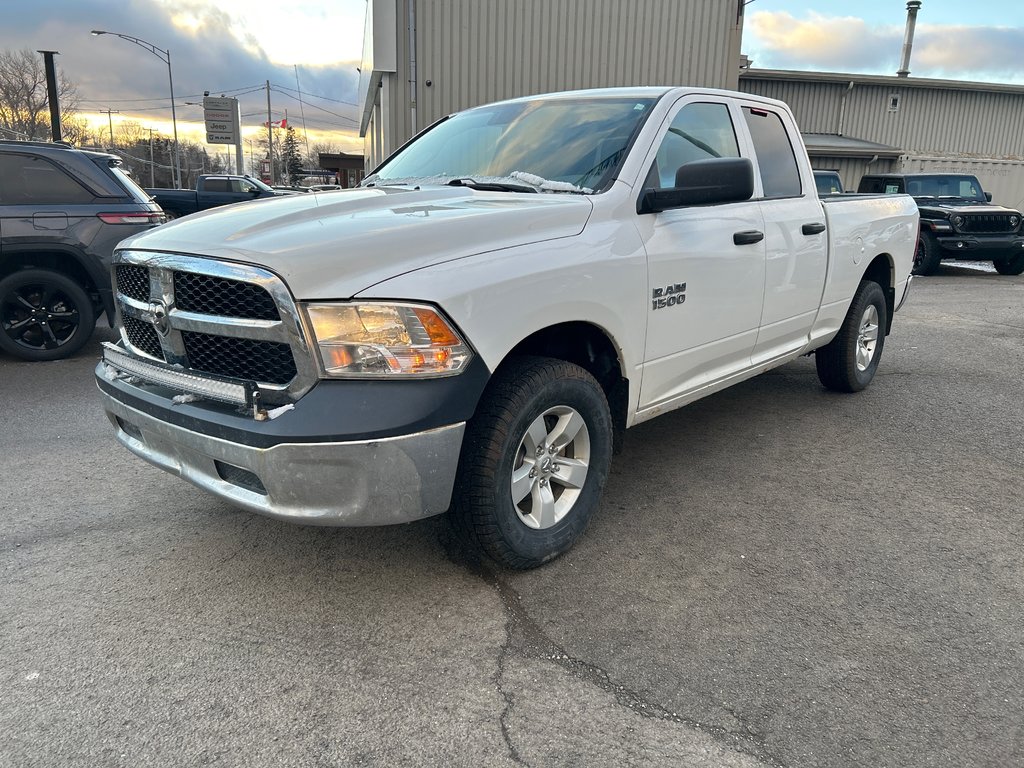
column 705, row 264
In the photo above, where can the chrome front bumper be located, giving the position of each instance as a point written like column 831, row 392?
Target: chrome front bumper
column 371, row 482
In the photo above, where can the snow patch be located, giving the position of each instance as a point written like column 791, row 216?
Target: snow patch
column 273, row 413
column 179, row 399
column 547, row 185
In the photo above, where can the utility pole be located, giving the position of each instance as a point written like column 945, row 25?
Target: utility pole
column 270, row 135
column 51, row 92
column 110, row 121
column 152, row 165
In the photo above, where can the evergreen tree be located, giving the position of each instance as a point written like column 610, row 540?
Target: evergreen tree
column 291, row 157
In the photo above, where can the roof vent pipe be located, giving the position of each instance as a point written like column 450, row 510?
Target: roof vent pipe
column 913, row 6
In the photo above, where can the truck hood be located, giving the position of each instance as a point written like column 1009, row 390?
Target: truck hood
column 333, row 245
column 948, row 207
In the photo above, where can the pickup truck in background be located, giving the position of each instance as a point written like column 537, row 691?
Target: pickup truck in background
column 212, row 191
column 474, row 328
column 958, row 220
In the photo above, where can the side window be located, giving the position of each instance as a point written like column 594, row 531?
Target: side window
column 217, row 185
column 32, row 180
column 698, row 132
column 780, row 175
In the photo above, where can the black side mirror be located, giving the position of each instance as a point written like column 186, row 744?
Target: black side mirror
column 988, row 196
column 703, row 182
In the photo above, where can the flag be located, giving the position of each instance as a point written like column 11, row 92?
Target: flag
column 282, row 123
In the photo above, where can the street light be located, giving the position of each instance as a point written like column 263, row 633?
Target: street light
column 164, row 56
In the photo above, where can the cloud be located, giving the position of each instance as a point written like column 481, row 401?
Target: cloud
column 778, row 40
column 210, row 51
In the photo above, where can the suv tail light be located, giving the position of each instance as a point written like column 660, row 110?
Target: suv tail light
column 132, row 218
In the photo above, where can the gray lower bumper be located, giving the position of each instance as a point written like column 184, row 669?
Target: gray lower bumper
column 373, row 482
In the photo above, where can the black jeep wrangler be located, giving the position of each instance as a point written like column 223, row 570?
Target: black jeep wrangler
column 62, row 211
column 958, row 220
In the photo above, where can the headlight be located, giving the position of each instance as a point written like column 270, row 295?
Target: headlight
column 1014, row 221
column 358, row 340
column 957, row 221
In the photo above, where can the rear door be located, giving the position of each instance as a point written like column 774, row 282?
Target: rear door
column 705, row 263
column 796, row 242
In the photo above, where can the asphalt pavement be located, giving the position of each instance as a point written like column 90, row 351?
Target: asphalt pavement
column 778, row 576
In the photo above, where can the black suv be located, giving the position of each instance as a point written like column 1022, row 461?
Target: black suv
column 958, row 220
column 62, row 211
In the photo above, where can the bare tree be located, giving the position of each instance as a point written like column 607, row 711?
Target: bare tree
column 130, row 133
column 24, row 105
column 321, row 148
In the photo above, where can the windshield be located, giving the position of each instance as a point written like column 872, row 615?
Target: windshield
column 960, row 187
column 572, row 144
column 259, row 184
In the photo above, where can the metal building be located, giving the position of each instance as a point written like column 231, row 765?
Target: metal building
column 424, row 59
column 858, row 124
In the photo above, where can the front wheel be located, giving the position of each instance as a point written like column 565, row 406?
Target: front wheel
column 1011, row 266
column 43, row 315
column 848, row 362
column 534, row 461
column 928, row 255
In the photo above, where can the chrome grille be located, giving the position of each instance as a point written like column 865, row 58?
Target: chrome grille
column 987, row 223
column 219, row 296
column 133, row 281
column 143, row 336
column 240, row 358
column 214, row 317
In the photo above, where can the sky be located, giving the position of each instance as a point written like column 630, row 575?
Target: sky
column 978, row 40
column 233, row 47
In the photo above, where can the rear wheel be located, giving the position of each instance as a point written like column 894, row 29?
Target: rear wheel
column 43, row 315
column 928, row 255
column 848, row 362
column 534, row 461
column 1011, row 266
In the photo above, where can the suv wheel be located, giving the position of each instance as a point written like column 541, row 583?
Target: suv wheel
column 1011, row 266
column 43, row 315
column 927, row 256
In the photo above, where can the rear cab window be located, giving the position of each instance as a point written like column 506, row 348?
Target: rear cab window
column 776, row 160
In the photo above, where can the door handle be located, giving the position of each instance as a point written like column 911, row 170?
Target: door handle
column 814, row 228
column 748, row 237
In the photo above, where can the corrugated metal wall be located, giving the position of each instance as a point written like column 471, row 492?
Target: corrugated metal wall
column 947, row 121
column 851, row 168
column 477, row 51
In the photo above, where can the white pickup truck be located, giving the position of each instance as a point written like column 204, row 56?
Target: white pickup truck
column 473, row 329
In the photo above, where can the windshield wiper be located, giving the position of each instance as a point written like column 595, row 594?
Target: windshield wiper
column 488, row 186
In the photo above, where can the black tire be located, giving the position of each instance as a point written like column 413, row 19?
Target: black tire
column 848, row 362
column 43, row 315
column 525, row 392
column 928, row 255
column 1012, row 266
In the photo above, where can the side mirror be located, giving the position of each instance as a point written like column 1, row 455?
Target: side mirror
column 703, row 182
column 988, row 196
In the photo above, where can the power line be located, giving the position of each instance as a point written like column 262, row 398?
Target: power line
column 314, row 96
column 314, row 106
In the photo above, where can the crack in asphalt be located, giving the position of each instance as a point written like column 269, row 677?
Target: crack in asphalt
column 525, row 638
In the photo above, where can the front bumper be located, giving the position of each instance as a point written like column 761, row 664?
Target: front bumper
column 973, row 247
column 363, row 482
